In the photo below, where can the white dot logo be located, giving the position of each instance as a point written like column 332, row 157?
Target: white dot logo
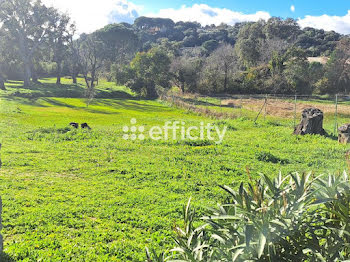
column 133, row 132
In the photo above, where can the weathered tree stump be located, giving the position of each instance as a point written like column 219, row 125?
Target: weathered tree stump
column 311, row 122
column 344, row 134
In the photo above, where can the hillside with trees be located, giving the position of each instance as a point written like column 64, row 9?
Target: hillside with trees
column 154, row 53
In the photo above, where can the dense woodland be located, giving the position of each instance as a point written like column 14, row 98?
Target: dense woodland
column 154, row 54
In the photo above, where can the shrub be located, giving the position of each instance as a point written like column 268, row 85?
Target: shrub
column 295, row 218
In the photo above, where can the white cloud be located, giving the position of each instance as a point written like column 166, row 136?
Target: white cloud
column 207, row 15
column 340, row 24
column 92, row 15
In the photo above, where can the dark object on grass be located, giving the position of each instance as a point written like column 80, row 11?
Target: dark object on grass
column 73, row 124
column 85, row 125
column 311, row 122
column 344, row 134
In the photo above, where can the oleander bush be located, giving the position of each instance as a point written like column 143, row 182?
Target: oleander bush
column 292, row 218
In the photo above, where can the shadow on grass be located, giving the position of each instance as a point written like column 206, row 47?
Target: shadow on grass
column 132, row 104
column 39, row 90
column 87, row 109
column 24, row 101
column 50, row 90
column 6, row 258
column 113, row 94
column 331, row 136
column 110, row 104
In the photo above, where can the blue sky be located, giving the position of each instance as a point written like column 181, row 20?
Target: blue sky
column 322, row 14
column 274, row 7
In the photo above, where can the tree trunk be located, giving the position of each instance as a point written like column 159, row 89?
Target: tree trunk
column 34, row 76
column 74, row 74
column 151, row 92
column 225, row 80
column 27, row 74
column 2, row 83
column 311, row 122
column 344, row 134
column 58, row 81
column 183, row 87
column 26, row 60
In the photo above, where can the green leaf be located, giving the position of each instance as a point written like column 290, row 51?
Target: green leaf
column 248, row 234
column 261, row 244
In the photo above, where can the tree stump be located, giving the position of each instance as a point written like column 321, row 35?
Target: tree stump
column 344, row 134
column 311, row 122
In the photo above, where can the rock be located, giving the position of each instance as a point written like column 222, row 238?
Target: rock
column 311, row 122
column 73, row 124
column 85, row 125
column 344, row 134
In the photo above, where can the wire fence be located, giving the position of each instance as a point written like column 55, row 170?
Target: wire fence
column 283, row 108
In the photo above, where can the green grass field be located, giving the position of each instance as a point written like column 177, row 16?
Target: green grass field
column 80, row 195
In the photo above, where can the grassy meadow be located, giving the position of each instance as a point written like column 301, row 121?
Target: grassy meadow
column 90, row 195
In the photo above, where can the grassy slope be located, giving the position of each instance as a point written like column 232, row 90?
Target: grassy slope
column 92, row 196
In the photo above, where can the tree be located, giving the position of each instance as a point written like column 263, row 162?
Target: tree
column 338, row 68
column 297, row 71
column 218, row 68
column 2, row 59
column 272, row 47
column 73, row 58
column 287, row 29
column 248, row 43
column 185, row 71
column 29, row 23
column 59, row 36
column 210, row 45
column 157, row 23
column 121, row 43
column 225, row 56
column 92, row 54
column 147, row 71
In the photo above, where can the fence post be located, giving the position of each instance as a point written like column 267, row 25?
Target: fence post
column 295, row 110
column 265, row 112
column 240, row 112
column 336, row 114
column 260, row 111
